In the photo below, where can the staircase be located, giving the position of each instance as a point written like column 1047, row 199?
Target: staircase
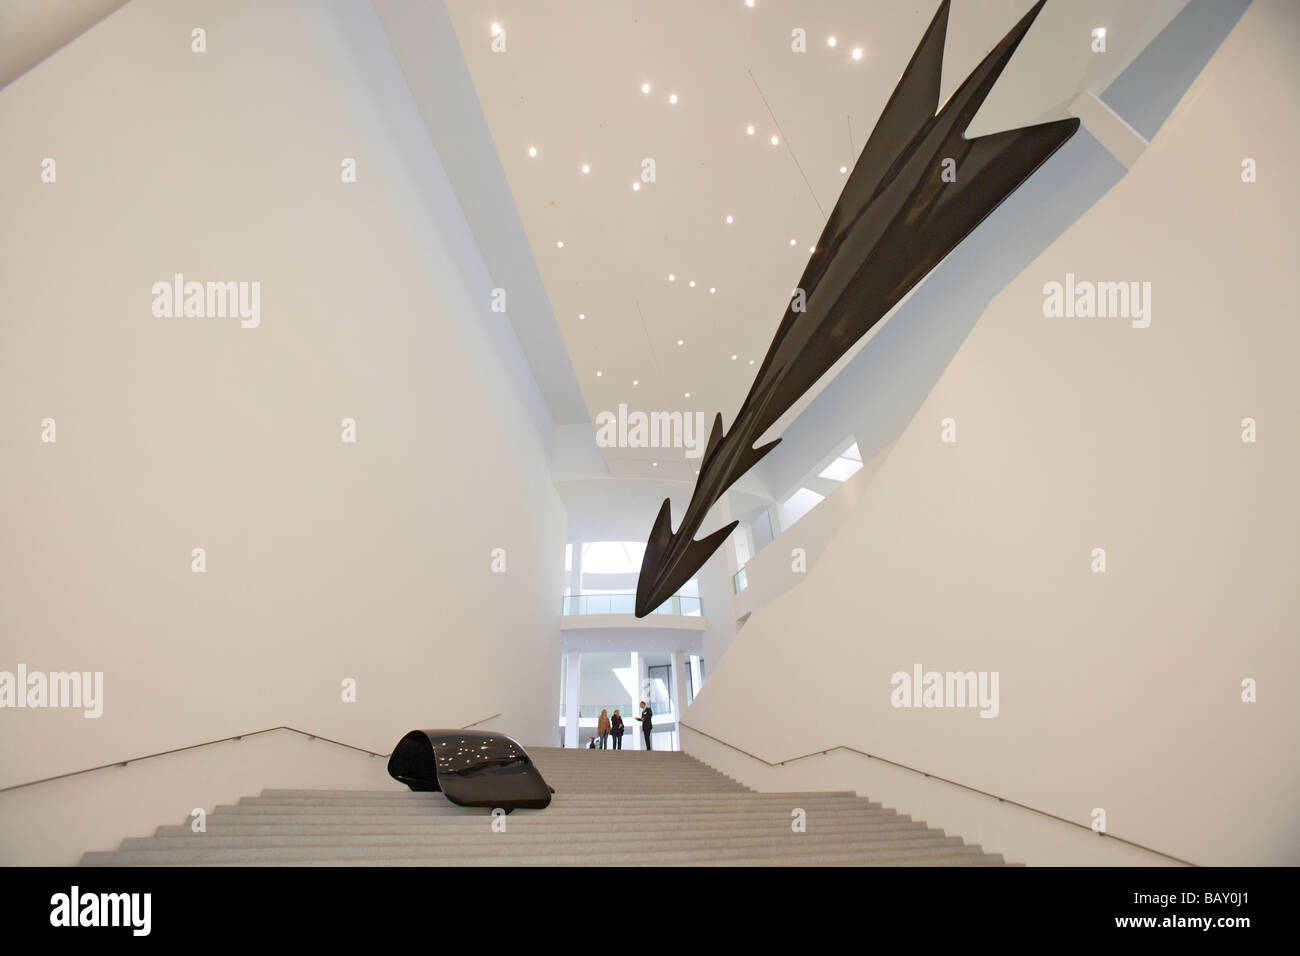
column 611, row 808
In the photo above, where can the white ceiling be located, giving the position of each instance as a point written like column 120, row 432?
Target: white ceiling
column 569, row 85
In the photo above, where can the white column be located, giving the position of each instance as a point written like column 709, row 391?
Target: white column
column 638, row 694
column 573, row 661
column 679, row 692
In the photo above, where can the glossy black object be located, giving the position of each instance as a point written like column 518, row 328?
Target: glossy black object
column 895, row 220
column 473, row 769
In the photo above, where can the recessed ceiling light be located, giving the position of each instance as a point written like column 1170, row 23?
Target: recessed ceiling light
column 599, row 374
column 749, row 3
column 532, row 150
column 734, row 357
column 654, row 464
column 730, row 219
column 751, row 361
column 712, row 290
column 673, row 99
column 645, row 87
column 775, row 141
column 581, row 316
column 560, row 244
column 844, row 169
column 830, row 41
column 496, row 29
column 1099, row 32
column 857, row 54
column 635, row 382
column 792, row 242
column 672, row 277
column 688, row 394
column 681, row 341
column 585, row 168
column 812, row 248
column 749, row 130
column 692, row 283
column 636, row 187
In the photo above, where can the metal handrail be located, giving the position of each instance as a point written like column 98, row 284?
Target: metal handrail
column 209, row 743
column 932, row 776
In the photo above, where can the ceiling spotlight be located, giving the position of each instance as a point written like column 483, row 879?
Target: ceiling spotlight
column 857, row 54
column 599, row 374
column 559, row 244
column 830, row 41
column 812, row 248
column 581, row 316
column 585, row 168
column 733, row 358
column 636, row 187
column 844, row 169
column 673, row 99
column 635, row 382
column 692, row 283
column 654, row 464
column 1099, row 32
column 775, row 140
column 712, row 290
column 749, row 130
column 672, row 277
column 751, row 361
column 645, row 87
column 681, row 341
column 496, row 29
column 792, row 242
column 749, row 3
column 688, row 394
column 532, row 150
column 730, row 220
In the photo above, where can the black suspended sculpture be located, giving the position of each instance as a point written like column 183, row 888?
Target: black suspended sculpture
column 473, row 769
column 895, row 220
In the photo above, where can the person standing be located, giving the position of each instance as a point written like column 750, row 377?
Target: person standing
column 616, row 730
column 647, row 723
column 603, row 727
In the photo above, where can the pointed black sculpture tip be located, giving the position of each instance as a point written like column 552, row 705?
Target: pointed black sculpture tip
column 892, row 224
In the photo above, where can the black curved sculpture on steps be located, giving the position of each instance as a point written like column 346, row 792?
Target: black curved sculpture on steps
column 473, row 769
column 900, row 213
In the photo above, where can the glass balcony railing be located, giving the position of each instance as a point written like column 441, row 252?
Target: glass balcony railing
column 662, row 711
column 679, row 604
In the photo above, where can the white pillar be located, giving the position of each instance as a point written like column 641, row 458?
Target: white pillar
column 638, row 695
column 679, row 692
column 573, row 661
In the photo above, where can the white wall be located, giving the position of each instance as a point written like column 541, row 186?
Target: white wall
column 1120, row 690
column 325, row 560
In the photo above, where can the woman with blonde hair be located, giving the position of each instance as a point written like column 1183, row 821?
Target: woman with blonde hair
column 602, row 728
column 616, row 728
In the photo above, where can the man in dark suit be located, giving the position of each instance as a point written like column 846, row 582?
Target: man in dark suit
column 646, row 724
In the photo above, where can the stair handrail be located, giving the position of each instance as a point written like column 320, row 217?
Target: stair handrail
column 934, row 776
column 209, row 743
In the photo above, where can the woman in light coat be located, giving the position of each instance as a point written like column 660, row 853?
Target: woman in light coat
column 602, row 728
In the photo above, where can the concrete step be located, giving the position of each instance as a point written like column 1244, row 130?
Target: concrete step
column 569, row 829
column 488, row 842
column 570, row 855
